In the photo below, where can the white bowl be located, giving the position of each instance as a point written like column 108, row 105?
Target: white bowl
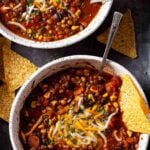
column 95, row 23
column 51, row 68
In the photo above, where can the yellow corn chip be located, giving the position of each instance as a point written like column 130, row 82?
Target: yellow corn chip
column 6, row 100
column 124, row 41
column 16, row 69
column 135, row 110
column 7, row 43
column 1, row 66
column 4, row 41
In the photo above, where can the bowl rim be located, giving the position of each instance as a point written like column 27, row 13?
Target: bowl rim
column 55, row 62
column 92, row 27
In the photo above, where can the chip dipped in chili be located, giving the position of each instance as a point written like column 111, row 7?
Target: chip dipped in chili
column 47, row 20
column 76, row 109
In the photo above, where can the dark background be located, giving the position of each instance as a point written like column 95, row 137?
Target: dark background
column 140, row 67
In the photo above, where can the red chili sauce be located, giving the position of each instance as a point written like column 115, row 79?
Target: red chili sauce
column 47, row 20
column 75, row 109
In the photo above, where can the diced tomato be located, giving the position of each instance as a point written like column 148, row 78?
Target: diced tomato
column 113, row 85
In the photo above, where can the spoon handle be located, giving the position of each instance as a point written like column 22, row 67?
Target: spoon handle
column 113, row 30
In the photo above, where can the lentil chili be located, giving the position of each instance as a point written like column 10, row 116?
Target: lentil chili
column 47, row 20
column 75, row 109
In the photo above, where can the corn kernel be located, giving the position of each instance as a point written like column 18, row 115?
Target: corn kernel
column 63, row 25
column 50, row 31
column 37, row 35
column 50, row 146
column 58, row 117
column 91, row 97
column 33, row 104
column 41, row 126
column 70, row 22
column 78, row 13
column 29, row 31
column 54, row 102
column 83, row 79
column 63, row 21
column 115, row 104
column 43, row 131
column 47, row 95
column 129, row 133
column 113, row 98
column 105, row 95
column 107, row 107
column 40, row 37
column 11, row 5
column 94, row 107
column 63, row 101
column 74, row 28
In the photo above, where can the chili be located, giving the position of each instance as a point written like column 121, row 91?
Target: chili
column 75, row 109
column 47, row 20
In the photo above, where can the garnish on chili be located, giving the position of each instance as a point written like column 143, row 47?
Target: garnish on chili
column 75, row 109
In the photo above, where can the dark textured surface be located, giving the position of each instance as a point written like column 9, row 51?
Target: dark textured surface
column 4, row 136
column 140, row 67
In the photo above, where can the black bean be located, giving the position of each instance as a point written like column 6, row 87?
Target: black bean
column 57, row 16
column 52, row 10
column 63, row 12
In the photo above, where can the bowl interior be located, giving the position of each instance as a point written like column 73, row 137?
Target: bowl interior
column 51, row 68
column 95, row 23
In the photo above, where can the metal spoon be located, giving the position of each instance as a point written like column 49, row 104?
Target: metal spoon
column 113, row 30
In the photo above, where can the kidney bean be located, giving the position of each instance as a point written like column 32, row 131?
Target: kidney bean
column 33, row 141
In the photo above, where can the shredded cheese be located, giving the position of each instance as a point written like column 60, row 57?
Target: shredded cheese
column 80, row 101
column 5, row 8
column 116, row 136
column 71, row 13
column 56, row 128
column 28, row 12
column 40, row 4
column 83, row 130
column 110, row 117
column 104, row 138
column 17, row 24
column 17, row 6
column 23, row 137
column 50, row 132
column 98, row 1
column 34, row 126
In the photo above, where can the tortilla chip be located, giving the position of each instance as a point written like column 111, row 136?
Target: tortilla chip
column 135, row 110
column 16, row 69
column 4, row 41
column 124, row 41
column 7, row 43
column 1, row 66
column 6, row 100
